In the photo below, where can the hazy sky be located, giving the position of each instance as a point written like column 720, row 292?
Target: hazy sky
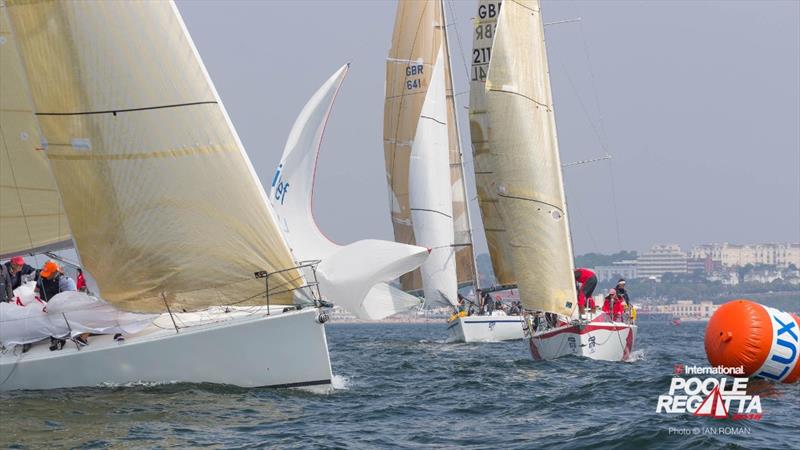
column 698, row 102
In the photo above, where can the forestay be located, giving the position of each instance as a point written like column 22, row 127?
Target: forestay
column 353, row 276
column 522, row 136
column 31, row 216
column 484, row 155
column 419, row 37
column 159, row 193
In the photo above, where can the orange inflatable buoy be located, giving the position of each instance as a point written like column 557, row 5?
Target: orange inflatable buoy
column 763, row 340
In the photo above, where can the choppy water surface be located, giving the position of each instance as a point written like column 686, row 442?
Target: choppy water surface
column 400, row 385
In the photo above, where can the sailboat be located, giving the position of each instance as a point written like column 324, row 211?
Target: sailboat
column 424, row 168
column 122, row 148
column 526, row 178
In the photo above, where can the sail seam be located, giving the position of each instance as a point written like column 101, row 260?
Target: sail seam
column 24, row 188
column 431, row 210
column 115, row 111
column 132, row 156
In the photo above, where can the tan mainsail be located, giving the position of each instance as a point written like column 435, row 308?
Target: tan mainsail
column 31, row 216
column 522, row 135
column 418, row 36
column 484, row 154
column 160, row 195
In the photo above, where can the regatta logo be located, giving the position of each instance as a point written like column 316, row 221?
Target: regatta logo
column 721, row 398
column 279, row 186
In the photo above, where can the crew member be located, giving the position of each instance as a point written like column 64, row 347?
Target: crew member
column 6, row 293
column 80, row 281
column 608, row 301
column 51, row 281
column 620, row 288
column 19, row 271
column 586, row 281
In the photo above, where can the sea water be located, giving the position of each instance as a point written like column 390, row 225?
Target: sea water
column 400, row 385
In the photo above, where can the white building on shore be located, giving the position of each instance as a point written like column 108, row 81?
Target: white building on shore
column 733, row 255
column 661, row 259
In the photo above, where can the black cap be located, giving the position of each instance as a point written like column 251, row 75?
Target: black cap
column 621, row 280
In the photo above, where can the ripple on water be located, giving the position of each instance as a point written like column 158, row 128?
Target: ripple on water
column 400, row 385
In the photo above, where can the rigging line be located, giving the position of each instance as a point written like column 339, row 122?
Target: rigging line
column 614, row 204
column 583, row 108
column 115, row 111
column 602, row 134
column 458, row 37
column 591, row 73
column 19, row 196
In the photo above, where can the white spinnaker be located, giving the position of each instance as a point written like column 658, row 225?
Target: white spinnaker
column 522, row 138
column 353, row 276
column 161, row 198
column 430, row 198
column 31, row 217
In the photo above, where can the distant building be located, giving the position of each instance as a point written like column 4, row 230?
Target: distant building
column 661, row 259
column 699, row 265
column 732, row 255
column 689, row 310
column 618, row 269
column 727, row 278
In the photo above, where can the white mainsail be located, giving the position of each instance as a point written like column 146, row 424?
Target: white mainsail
column 419, row 38
column 161, row 198
column 31, row 217
column 484, row 155
column 429, row 194
column 354, row 276
column 527, row 168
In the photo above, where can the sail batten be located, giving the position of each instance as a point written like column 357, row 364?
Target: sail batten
column 163, row 203
column 528, row 182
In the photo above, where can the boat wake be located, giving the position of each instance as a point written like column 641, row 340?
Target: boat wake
column 636, row 355
column 340, row 382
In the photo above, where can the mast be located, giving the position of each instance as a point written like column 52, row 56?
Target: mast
column 446, row 46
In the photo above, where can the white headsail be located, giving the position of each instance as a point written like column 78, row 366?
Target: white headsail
column 31, row 217
column 429, row 194
column 353, row 276
column 161, row 198
column 527, row 168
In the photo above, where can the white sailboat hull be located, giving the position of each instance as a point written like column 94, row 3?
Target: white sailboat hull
column 243, row 349
column 601, row 340
column 485, row 328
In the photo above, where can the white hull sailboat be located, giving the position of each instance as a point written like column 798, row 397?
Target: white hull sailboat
column 518, row 173
column 494, row 327
column 124, row 149
column 247, row 349
column 597, row 337
column 422, row 145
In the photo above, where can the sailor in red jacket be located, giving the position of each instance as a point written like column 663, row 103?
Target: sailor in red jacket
column 586, row 281
column 615, row 304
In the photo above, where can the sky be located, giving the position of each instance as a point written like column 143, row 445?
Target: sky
column 698, row 102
